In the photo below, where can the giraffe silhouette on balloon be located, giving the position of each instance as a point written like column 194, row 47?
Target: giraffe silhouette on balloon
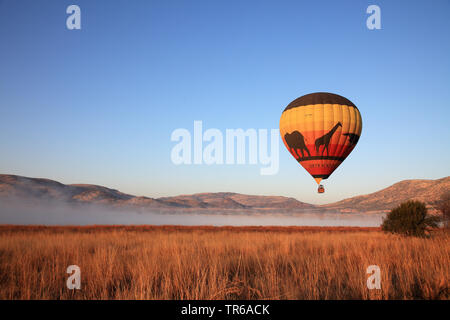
column 325, row 139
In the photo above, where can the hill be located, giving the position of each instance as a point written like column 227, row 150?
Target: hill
column 38, row 189
column 428, row 191
column 24, row 188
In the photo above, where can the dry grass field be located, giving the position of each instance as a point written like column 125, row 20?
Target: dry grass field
column 146, row 262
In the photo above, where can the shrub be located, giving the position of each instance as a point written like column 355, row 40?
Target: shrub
column 410, row 218
column 443, row 205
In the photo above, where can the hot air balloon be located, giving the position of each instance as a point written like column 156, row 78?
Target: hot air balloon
column 320, row 130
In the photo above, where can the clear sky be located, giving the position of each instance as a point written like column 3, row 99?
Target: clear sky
column 98, row 105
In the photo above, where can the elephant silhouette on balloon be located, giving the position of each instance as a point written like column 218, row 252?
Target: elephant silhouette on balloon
column 295, row 142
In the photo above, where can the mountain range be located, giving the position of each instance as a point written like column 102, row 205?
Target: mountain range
column 13, row 187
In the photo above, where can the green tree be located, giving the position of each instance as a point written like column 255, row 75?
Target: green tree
column 410, row 218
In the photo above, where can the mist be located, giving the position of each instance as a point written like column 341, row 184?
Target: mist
column 58, row 213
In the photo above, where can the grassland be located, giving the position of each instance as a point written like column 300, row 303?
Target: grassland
column 146, row 262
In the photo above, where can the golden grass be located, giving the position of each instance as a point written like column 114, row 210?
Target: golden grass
column 149, row 262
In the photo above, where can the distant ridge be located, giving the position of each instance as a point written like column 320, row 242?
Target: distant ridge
column 428, row 191
column 39, row 189
column 18, row 187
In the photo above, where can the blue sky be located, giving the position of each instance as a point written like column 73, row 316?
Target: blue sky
column 98, row 105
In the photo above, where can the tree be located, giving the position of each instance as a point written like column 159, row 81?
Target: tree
column 443, row 205
column 410, row 218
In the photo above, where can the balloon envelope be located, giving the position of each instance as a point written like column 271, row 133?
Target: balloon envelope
column 320, row 130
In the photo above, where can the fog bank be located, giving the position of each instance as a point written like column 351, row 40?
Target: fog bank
column 62, row 214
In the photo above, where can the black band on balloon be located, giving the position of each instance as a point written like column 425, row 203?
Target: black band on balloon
column 323, row 176
column 320, row 98
column 321, row 158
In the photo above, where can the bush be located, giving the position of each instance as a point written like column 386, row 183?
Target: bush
column 410, row 218
column 443, row 205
